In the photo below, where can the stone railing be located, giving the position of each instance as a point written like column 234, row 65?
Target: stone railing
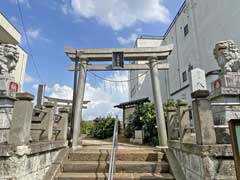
column 203, row 132
column 200, row 149
column 30, row 124
column 207, row 129
column 178, row 121
column 33, row 137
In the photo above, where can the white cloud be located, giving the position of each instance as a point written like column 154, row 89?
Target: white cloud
column 33, row 33
column 103, row 97
column 28, row 78
column 58, row 91
column 24, row 2
column 13, row 20
column 139, row 30
column 119, row 14
column 129, row 40
column 65, row 7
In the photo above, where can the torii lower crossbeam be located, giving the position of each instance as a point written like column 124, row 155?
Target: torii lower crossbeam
column 127, row 67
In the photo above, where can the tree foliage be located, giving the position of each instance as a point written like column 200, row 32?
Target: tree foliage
column 144, row 118
column 103, row 127
column 87, row 127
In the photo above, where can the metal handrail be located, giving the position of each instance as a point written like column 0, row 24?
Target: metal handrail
column 113, row 151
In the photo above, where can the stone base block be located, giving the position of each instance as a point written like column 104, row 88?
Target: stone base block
column 231, row 80
column 222, row 114
column 5, row 116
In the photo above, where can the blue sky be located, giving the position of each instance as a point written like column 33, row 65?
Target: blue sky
column 53, row 24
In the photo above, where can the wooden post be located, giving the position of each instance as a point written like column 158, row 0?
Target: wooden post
column 21, row 120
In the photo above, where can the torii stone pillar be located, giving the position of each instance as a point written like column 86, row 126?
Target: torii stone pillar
column 79, row 102
column 161, row 125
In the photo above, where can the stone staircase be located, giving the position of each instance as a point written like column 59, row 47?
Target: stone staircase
column 92, row 163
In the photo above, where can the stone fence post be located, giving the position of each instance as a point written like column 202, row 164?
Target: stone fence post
column 21, row 120
column 63, row 124
column 183, row 116
column 47, row 122
column 172, row 123
column 203, row 118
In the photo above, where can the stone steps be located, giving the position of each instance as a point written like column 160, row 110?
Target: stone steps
column 132, row 162
column 121, row 166
column 122, row 155
column 117, row 176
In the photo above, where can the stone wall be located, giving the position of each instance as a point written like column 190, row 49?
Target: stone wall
column 28, row 162
column 205, row 162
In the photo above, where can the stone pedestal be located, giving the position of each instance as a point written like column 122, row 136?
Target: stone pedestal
column 5, row 81
column 21, row 121
column 6, row 111
column 225, row 90
column 203, row 118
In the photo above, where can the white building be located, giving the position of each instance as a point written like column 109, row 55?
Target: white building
column 198, row 25
column 10, row 35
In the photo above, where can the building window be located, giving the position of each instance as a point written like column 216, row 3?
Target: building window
column 184, row 76
column 186, row 30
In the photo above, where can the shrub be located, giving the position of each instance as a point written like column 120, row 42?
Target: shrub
column 170, row 103
column 104, row 127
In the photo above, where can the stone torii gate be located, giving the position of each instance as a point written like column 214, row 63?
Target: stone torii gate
column 154, row 56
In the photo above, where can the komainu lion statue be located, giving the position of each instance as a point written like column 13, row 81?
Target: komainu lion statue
column 227, row 55
column 9, row 57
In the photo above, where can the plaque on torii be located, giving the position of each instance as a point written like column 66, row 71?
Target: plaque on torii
column 154, row 57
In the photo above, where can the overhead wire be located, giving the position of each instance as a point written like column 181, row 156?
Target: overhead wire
column 114, row 81
column 118, row 81
column 28, row 42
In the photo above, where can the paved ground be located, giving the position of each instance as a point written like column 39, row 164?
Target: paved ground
column 107, row 144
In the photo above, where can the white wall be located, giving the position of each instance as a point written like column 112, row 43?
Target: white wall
column 9, row 34
column 208, row 22
column 141, row 86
